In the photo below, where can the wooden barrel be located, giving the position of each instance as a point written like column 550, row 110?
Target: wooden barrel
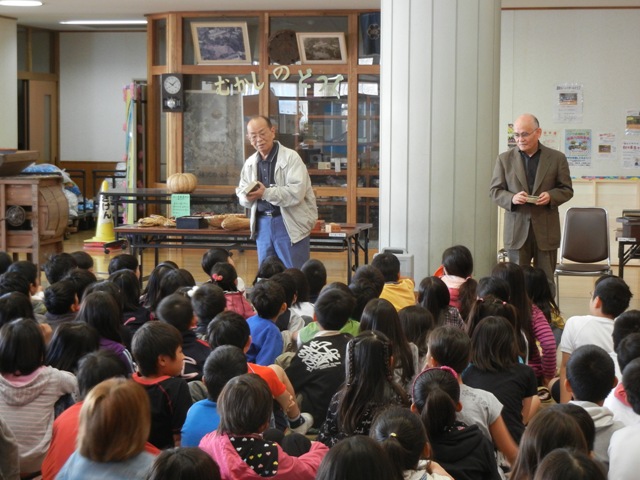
column 53, row 211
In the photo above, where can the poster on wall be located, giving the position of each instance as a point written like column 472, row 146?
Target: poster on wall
column 511, row 141
column 631, row 154
column 632, row 122
column 577, row 147
column 550, row 138
column 567, row 103
column 606, row 147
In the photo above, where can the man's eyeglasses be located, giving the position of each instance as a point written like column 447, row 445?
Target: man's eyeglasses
column 261, row 134
column 522, row 135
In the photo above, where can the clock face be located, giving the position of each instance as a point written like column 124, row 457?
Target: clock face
column 172, row 84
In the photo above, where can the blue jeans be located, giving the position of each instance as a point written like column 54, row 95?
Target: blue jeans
column 272, row 239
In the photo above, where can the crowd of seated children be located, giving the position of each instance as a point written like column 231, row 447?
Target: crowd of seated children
column 590, row 378
column 176, row 310
column 462, row 450
column 244, row 406
column 380, row 316
column 317, row 370
column 157, row 349
column 455, row 272
column 369, row 387
column 434, row 295
column 611, row 297
column 399, row 291
column 222, row 364
column 229, row 328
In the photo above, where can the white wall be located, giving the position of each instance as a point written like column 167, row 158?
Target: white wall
column 94, row 68
column 8, row 80
column 595, row 48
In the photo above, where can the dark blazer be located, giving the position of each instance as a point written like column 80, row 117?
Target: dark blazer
column 509, row 178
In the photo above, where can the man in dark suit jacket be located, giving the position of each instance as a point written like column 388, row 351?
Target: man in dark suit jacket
column 530, row 181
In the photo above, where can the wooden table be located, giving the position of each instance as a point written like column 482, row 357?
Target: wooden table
column 353, row 238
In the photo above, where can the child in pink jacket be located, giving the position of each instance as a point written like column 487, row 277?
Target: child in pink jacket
column 237, row 446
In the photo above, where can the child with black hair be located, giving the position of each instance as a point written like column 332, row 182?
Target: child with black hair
column 13, row 306
column 268, row 298
column 29, row 391
column 381, row 316
column 151, row 295
column 317, row 369
column 14, row 282
column 124, row 261
column 134, row 315
column 611, row 297
column 157, row 348
column 401, row 434
column 548, row 430
column 495, row 368
column 220, row 255
column 176, row 310
column 627, row 350
column 83, row 260
column 369, row 387
column 5, row 261
column 494, row 286
column 29, row 271
column 568, row 464
column 463, row 451
column 539, row 293
column 590, row 378
column 623, row 462
column 456, row 271
column 417, row 324
column 92, row 369
column 102, row 312
column 225, row 276
column 288, row 320
column 357, row 458
column 302, row 306
column 207, row 300
column 316, row 274
column 185, row 463
column 397, row 290
column 434, row 295
column 82, row 278
column 57, row 267
column 582, row 417
column 449, row 346
column 366, row 284
column 62, row 303
column 268, row 268
column 229, row 328
column 237, row 446
column 224, row 363
column 490, row 306
column 69, row 344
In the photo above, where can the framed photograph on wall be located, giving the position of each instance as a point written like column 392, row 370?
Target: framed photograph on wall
column 322, row 47
column 221, row 43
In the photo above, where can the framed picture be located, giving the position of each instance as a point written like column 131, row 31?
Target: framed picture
column 322, row 47
column 218, row 43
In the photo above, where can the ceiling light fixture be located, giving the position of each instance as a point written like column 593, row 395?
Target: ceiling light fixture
column 104, row 22
column 20, row 3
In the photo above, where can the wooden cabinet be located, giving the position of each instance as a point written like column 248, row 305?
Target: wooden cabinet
column 328, row 112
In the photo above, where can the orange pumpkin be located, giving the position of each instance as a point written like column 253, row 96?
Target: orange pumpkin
column 182, row 183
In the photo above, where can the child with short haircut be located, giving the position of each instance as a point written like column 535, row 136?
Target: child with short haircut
column 207, row 300
column 229, row 328
column 462, row 450
column 449, row 346
column 401, row 434
column 29, row 270
column 29, row 390
column 157, row 349
column 568, row 464
column 316, row 274
column 610, row 298
column 62, row 303
column 224, row 363
column 176, row 310
column 238, row 448
column 14, row 282
column 367, row 283
column 627, row 350
column 317, row 369
column 114, row 426
column 590, row 377
column 58, row 266
column 288, row 320
column 397, row 290
column 225, row 276
column 624, row 462
column 82, row 278
column 268, row 299
column 185, row 463
column 5, row 261
column 124, row 261
column 219, row 255
column 15, row 305
column 83, row 260
column 626, row 324
column 302, row 306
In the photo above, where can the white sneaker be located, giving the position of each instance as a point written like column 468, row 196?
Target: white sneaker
column 304, row 428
